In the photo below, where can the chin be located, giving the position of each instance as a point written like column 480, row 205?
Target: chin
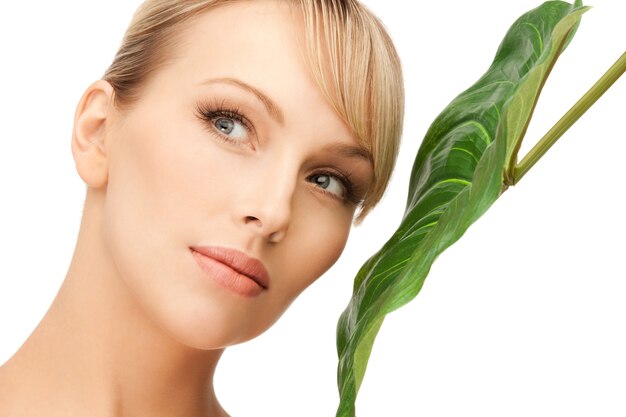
column 209, row 326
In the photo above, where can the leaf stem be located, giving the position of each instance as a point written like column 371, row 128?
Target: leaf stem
column 594, row 93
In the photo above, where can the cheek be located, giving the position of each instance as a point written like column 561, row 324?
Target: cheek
column 316, row 241
column 156, row 206
column 311, row 249
column 150, row 184
column 165, row 181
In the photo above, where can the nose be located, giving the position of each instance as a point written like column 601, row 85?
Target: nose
column 265, row 207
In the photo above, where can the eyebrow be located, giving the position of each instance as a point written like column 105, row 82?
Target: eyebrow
column 270, row 106
column 349, row 151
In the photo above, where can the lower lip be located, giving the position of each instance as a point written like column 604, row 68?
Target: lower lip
column 227, row 277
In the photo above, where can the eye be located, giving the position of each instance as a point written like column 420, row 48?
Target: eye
column 225, row 122
column 231, row 128
column 331, row 183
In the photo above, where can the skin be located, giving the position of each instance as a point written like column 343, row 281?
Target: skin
column 137, row 327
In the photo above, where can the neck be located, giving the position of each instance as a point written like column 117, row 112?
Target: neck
column 97, row 353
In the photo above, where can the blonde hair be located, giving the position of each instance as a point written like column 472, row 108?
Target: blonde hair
column 350, row 54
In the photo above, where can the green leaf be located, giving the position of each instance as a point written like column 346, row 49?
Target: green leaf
column 464, row 163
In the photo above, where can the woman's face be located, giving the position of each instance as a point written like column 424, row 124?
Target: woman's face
column 231, row 146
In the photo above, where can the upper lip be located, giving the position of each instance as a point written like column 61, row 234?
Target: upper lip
column 238, row 261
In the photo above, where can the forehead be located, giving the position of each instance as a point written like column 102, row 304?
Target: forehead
column 261, row 43
column 258, row 42
column 245, row 25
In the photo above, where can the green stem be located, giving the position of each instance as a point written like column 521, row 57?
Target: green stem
column 594, row 93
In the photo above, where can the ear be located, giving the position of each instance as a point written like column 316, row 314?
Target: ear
column 93, row 115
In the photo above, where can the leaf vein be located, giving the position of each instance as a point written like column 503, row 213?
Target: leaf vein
column 538, row 37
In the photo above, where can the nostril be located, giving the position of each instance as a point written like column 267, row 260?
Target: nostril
column 273, row 232
column 250, row 219
column 275, row 237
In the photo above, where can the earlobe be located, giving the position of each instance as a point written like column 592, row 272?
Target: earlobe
column 93, row 114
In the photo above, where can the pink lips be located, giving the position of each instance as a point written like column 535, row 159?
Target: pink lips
column 232, row 269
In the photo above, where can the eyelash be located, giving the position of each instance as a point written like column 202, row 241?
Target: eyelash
column 208, row 112
column 346, row 180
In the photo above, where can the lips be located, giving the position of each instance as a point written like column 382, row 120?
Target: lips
column 237, row 261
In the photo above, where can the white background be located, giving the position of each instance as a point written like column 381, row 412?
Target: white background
column 524, row 316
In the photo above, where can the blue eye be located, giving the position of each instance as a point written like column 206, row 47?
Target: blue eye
column 330, row 183
column 225, row 121
column 231, row 128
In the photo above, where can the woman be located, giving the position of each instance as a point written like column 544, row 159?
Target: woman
column 226, row 153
